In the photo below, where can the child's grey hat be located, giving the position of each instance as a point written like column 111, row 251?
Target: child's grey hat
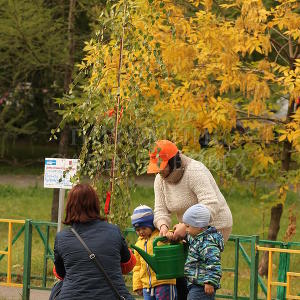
column 197, row 215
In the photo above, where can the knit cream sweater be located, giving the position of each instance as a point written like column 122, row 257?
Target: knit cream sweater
column 197, row 185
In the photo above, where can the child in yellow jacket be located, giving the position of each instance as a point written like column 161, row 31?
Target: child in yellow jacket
column 144, row 279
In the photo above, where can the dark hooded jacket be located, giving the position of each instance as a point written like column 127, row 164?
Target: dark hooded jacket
column 82, row 279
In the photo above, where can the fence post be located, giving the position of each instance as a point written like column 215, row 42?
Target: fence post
column 254, row 268
column 283, row 268
column 27, row 260
column 236, row 268
column 46, row 252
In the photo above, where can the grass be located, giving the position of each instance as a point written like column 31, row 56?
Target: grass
column 25, row 203
column 250, row 217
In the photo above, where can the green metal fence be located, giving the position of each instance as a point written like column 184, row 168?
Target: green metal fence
column 241, row 243
column 43, row 230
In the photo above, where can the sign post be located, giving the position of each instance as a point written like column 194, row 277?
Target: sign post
column 61, row 206
column 58, row 175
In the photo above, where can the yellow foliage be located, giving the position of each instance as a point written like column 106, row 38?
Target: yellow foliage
column 209, row 65
column 267, row 133
column 216, row 45
column 261, row 164
column 179, row 58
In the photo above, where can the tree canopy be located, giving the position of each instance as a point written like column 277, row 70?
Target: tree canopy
column 176, row 70
column 34, row 49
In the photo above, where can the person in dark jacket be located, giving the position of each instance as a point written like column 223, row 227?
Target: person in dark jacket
column 81, row 278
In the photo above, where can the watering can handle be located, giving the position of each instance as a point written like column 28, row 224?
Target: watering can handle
column 159, row 239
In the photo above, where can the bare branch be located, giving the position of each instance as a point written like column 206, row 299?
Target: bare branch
column 279, row 46
column 296, row 51
column 290, row 47
column 252, row 116
column 262, row 118
column 278, row 53
column 282, row 35
column 118, row 98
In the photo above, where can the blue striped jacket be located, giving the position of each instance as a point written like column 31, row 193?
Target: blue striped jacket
column 203, row 263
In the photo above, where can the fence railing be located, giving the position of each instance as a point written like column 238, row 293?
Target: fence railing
column 245, row 247
column 8, row 250
column 278, row 283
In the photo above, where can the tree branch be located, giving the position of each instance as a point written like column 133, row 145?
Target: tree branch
column 296, row 51
column 290, row 47
column 112, row 170
column 262, row 118
column 280, row 51
column 252, row 116
column 273, row 43
column 282, row 35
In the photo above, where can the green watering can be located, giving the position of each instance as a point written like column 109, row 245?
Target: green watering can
column 167, row 260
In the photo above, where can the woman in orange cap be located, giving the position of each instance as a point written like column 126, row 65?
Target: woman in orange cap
column 180, row 183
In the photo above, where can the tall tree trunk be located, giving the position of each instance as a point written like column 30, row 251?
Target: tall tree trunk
column 62, row 150
column 64, row 137
column 277, row 210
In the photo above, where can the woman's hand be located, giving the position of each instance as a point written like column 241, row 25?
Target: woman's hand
column 164, row 229
column 208, row 289
column 170, row 235
column 179, row 232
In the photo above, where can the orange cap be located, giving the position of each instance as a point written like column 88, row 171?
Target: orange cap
column 163, row 151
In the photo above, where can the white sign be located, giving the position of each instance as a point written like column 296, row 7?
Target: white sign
column 58, row 172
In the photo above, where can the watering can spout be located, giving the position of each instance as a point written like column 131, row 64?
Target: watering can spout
column 150, row 259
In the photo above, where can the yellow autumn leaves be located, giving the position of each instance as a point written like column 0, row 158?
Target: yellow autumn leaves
column 209, row 61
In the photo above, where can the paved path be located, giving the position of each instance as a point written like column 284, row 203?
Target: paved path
column 9, row 293
column 38, row 180
column 21, row 180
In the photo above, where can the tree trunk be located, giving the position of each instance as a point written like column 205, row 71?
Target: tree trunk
column 274, row 227
column 64, row 137
column 277, row 210
column 62, row 150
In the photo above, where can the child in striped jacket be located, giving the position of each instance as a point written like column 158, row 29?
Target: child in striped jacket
column 203, row 265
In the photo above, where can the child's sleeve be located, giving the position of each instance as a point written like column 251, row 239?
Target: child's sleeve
column 136, row 280
column 55, row 274
column 213, row 272
column 59, row 267
column 127, row 257
column 127, row 266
